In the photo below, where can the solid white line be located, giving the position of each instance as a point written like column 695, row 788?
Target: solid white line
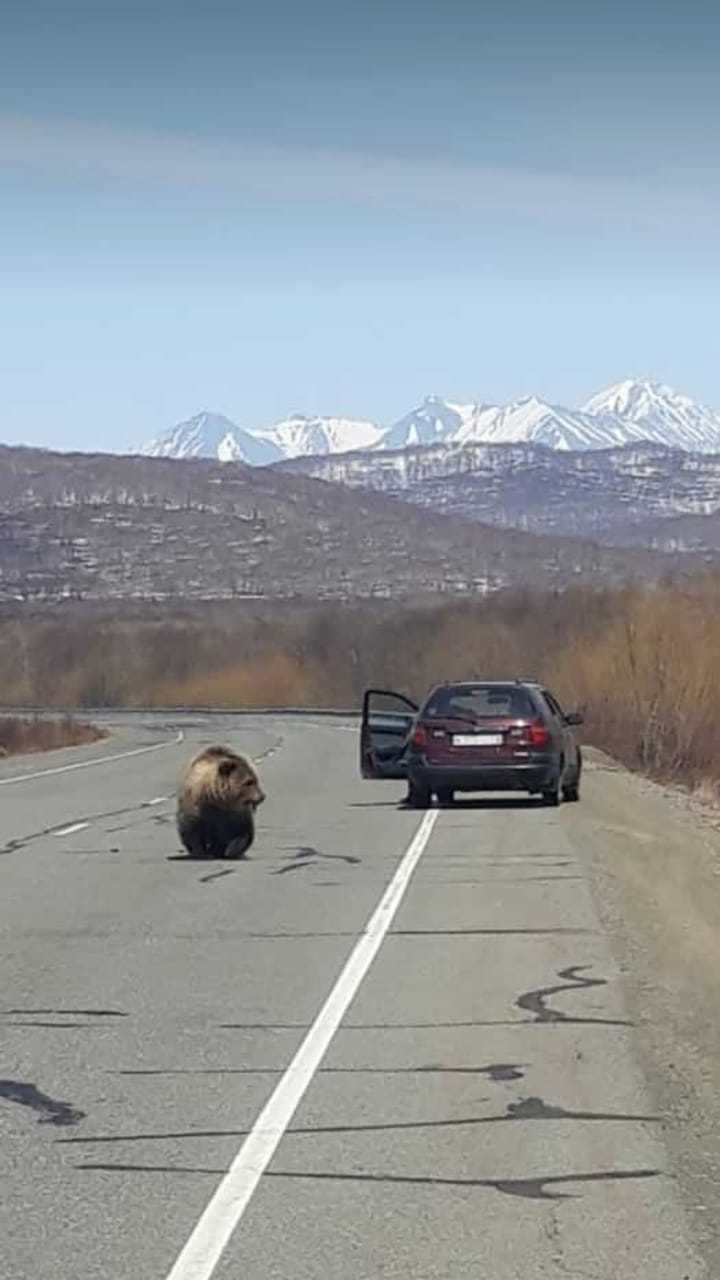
column 69, row 831
column 90, row 764
column 204, row 1248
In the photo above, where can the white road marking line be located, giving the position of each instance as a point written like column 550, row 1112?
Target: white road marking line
column 206, row 1244
column 90, row 764
column 158, row 800
column 69, row 831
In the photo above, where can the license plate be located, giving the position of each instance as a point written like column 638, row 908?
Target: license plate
column 477, row 739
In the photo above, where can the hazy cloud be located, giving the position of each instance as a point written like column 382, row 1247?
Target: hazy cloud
column 73, row 149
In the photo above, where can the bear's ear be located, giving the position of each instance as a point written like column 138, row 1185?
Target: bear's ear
column 225, row 768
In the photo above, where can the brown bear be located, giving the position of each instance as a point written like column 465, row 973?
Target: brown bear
column 217, row 799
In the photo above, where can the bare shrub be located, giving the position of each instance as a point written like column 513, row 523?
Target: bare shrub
column 649, row 683
column 20, row 736
column 642, row 663
column 707, row 792
column 275, row 680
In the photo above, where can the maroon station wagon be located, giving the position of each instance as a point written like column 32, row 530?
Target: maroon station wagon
column 500, row 735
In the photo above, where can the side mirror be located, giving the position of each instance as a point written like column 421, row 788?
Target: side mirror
column 574, row 718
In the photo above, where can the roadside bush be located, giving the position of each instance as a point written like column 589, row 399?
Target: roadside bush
column 649, row 684
column 641, row 663
column 19, row 736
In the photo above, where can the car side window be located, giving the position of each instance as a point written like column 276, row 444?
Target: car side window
column 554, row 706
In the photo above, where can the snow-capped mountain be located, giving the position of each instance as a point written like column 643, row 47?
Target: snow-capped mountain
column 660, row 414
column 299, row 436
column 628, row 413
column 533, row 421
column 434, row 421
column 212, row 435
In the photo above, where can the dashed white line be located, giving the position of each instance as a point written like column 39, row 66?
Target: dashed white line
column 90, row 764
column 205, row 1247
column 69, row 831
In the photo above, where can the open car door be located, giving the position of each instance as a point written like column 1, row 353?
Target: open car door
column 387, row 721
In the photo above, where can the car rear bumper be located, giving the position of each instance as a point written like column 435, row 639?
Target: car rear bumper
column 536, row 776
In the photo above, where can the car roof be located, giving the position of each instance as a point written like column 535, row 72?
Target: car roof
column 474, row 684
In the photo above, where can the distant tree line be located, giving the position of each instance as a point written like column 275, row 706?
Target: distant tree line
column 642, row 663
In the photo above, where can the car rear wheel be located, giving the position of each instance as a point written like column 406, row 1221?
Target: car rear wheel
column 445, row 796
column 552, row 795
column 419, row 797
column 571, row 794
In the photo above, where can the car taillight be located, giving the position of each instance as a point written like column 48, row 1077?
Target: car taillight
column 530, row 735
column 420, row 737
column 539, row 735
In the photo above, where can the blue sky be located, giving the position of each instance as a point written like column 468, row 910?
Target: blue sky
column 343, row 207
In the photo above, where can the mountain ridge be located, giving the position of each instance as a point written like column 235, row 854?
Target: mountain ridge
column 627, row 412
column 640, row 494
column 98, row 527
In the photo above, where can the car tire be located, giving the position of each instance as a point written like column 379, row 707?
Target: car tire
column 551, row 797
column 445, row 796
column 419, row 797
column 571, row 794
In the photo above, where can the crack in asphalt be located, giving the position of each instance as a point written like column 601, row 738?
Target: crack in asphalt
column 22, row 842
column 534, row 1002
column 536, row 1188
column 495, row 1071
column 88, row 1013
column 216, row 875
column 39, row 1018
column 58, row 1026
column 526, row 1110
column 51, row 1110
column 309, row 851
column 413, row 933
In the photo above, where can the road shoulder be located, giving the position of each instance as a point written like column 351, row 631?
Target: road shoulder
column 655, row 869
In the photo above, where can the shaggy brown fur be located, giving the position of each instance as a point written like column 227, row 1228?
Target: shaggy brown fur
column 217, row 799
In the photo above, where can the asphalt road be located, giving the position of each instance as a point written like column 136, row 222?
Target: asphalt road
column 487, row 1107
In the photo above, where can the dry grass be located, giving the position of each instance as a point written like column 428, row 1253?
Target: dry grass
column 20, row 736
column 275, row 680
column 707, row 792
column 644, row 665
column 649, row 682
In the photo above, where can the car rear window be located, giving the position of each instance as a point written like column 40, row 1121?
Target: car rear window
column 480, row 702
